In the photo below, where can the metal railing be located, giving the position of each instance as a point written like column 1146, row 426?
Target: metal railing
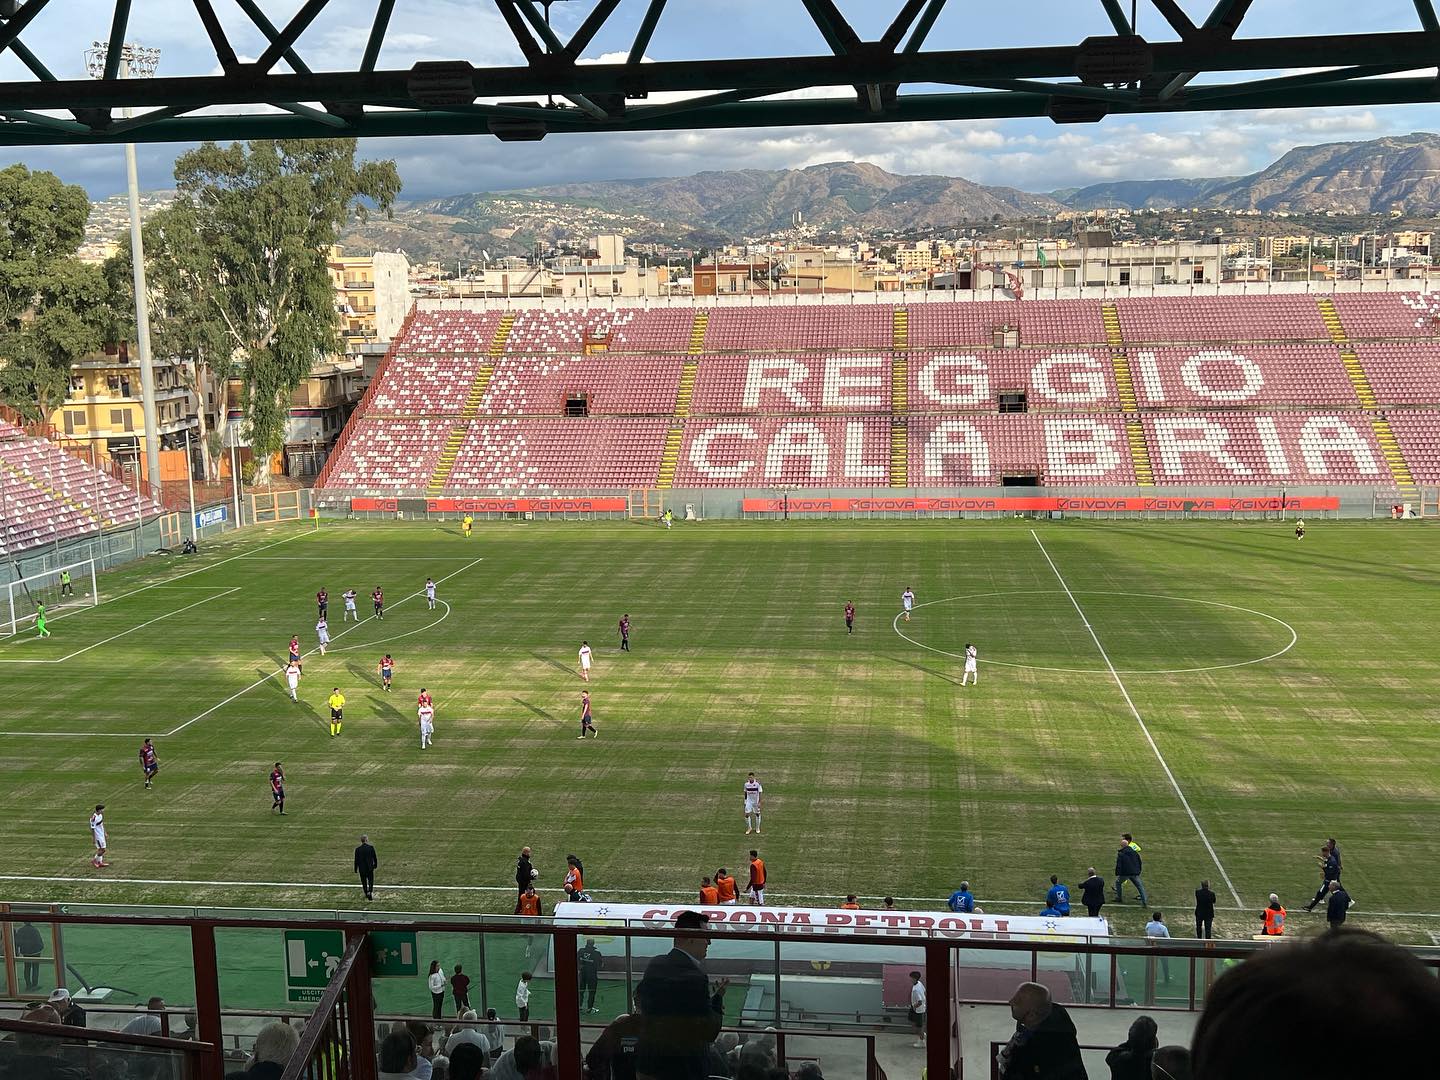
column 103, row 1053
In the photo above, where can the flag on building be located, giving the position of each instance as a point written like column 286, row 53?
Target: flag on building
column 1040, row 255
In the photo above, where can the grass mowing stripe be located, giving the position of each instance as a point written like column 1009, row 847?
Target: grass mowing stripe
column 1141, row 721
column 263, row 680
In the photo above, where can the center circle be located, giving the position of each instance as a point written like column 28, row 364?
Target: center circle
column 1132, row 627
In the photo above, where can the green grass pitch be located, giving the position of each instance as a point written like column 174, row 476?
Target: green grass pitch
column 882, row 774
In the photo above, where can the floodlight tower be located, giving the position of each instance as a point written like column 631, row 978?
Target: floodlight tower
column 136, row 62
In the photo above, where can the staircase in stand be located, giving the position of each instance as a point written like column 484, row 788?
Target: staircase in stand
column 1331, row 318
column 697, row 332
column 899, row 425
column 473, row 400
column 670, row 455
column 502, row 335
column 1399, row 469
column 900, row 328
column 1129, row 403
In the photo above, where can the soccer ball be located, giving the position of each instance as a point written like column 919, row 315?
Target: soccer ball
column 534, row 873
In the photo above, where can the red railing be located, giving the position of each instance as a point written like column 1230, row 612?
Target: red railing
column 102, row 1051
column 341, row 1030
column 364, row 403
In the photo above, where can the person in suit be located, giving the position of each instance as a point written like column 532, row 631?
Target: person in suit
column 1204, row 911
column 682, row 1012
column 28, row 943
column 366, row 862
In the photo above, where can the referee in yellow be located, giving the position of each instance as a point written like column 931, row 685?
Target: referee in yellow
column 337, row 709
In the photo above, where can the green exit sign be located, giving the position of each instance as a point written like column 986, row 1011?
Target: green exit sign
column 311, row 957
column 393, row 954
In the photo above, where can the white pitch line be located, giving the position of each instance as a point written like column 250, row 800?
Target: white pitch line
column 220, row 591
column 409, row 633
column 1141, row 721
column 262, row 681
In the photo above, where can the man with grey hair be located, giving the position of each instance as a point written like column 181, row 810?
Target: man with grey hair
column 468, row 1032
column 1044, row 1046
column 275, row 1045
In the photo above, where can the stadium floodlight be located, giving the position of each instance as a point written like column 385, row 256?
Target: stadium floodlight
column 24, row 595
column 136, row 62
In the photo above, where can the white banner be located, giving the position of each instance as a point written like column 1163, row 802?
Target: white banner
column 848, row 922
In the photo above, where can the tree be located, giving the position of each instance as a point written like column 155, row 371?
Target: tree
column 53, row 308
column 240, row 259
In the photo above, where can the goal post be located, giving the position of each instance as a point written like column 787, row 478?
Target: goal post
column 62, row 588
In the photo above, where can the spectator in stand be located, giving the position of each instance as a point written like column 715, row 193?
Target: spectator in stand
column 1058, row 896
column 440, row 1067
column 809, row 1070
column 522, row 996
column 1337, row 906
column 1170, row 1063
column 28, row 943
column 468, row 1033
column 1156, row 929
column 460, row 990
column 1369, row 1009
column 275, row 1045
column 758, row 1054
column 1131, row 1059
column 1204, row 911
column 520, row 1060
column 613, row 1055
column 151, row 1021
column 38, row 1057
column 71, row 1015
column 962, row 901
column 435, row 981
column 683, row 1012
column 1272, row 919
column 1127, row 868
column 1044, row 1046
column 495, row 1032
column 397, row 1058
column 467, row 1062
column 421, row 1034
column 1092, row 893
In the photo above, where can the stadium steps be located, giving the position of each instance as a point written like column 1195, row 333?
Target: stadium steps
column 1139, row 452
column 1399, row 469
column 900, row 328
column 670, row 455
column 1358, row 379
column 446, row 464
column 56, row 494
column 502, row 334
column 1111, row 316
column 477, row 390
column 1331, row 318
column 697, row 332
column 899, row 428
column 1124, row 381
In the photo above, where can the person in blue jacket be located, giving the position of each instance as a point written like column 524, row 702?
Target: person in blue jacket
column 1058, row 897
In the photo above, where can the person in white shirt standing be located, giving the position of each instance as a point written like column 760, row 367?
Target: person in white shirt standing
column 1156, row 928
column 322, row 633
column 522, row 997
column 427, row 724
column 585, row 660
column 436, row 983
column 349, row 597
column 917, row 1008
column 430, row 592
column 97, row 833
column 907, row 601
column 292, row 676
column 972, row 657
column 753, row 791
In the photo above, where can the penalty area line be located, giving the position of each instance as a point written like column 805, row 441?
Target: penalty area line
column 1144, row 728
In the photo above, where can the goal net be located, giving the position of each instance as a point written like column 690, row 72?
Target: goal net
column 62, row 589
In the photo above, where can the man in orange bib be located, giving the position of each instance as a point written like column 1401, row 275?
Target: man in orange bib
column 755, row 889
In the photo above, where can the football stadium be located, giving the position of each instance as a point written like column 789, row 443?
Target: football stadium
column 1002, row 682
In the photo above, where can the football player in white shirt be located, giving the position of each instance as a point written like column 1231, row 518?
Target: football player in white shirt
column 349, row 597
column 322, row 633
column 430, row 592
column 427, row 724
column 971, row 672
column 907, row 601
column 292, row 676
column 753, row 791
column 585, row 660
column 97, row 833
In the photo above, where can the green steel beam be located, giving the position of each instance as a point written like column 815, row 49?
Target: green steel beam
column 377, row 35
column 510, row 11
column 1178, row 20
column 1118, row 18
column 1227, row 15
column 265, row 26
column 589, row 28
column 896, row 32
column 117, row 38
column 223, row 52
column 838, row 33
column 646, row 31
column 923, row 27
column 280, row 46
column 783, row 113
column 31, row 61
column 1426, row 10
column 16, row 24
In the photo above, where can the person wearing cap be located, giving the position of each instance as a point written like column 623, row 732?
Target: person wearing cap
column 40, row 1057
column 71, row 1015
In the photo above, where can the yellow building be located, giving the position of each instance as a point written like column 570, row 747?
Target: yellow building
column 372, row 295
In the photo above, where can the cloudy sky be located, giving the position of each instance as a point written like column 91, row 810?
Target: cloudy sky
column 1032, row 154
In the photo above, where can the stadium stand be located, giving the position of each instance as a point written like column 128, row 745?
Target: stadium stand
column 49, row 495
column 1236, row 390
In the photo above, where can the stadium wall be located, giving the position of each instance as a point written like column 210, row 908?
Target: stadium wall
column 1152, row 503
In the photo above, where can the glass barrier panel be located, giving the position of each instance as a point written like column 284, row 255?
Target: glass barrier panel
column 831, row 983
column 507, row 958
column 112, row 971
column 991, row 975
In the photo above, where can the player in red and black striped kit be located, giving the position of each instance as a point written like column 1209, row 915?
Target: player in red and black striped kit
column 322, row 603
column 378, row 599
column 277, row 788
column 148, row 761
